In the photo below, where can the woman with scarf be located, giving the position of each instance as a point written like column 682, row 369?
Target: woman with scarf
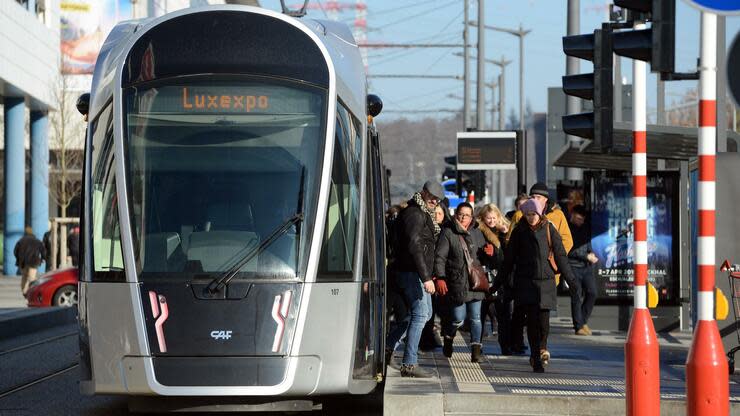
column 457, row 302
column 494, row 226
column 527, row 270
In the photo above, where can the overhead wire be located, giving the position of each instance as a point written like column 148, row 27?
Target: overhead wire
column 396, row 9
column 321, row 7
column 416, row 15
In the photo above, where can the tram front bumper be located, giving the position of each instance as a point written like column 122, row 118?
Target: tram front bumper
column 221, row 376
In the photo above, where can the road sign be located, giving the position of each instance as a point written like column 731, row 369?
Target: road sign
column 722, row 7
column 733, row 69
column 484, row 150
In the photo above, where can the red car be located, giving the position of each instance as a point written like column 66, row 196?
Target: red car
column 56, row 288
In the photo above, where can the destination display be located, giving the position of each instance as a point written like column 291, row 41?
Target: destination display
column 228, row 99
column 612, row 237
column 486, row 150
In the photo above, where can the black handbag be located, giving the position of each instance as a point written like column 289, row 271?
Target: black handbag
column 477, row 277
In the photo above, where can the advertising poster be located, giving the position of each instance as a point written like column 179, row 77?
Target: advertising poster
column 612, row 237
column 84, row 26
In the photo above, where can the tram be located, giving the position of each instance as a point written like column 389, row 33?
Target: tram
column 233, row 218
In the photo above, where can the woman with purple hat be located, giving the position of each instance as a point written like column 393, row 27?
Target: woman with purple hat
column 528, row 272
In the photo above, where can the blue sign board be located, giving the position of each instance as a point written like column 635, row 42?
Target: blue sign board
column 610, row 202
column 717, row 6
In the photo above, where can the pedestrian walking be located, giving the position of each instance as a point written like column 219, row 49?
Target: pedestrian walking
column 415, row 265
column 460, row 242
column 528, row 271
column 582, row 259
column 73, row 245
column 430, row 338
column 29, row 252
column 494, row 226
column 555, row 215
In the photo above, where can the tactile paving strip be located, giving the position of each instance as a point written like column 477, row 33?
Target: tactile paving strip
column 469, row 377
column 546, row 392
column 557, row 381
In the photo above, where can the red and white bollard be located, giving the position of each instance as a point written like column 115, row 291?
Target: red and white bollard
column 707, row 378
column 642, row 354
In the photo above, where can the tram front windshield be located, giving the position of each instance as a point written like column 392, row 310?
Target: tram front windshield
column 215, row 168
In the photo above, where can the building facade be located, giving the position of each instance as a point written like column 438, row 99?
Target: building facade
column 29, row 67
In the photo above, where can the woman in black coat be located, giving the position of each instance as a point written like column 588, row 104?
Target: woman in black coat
column 457, row 301
column 527, row 271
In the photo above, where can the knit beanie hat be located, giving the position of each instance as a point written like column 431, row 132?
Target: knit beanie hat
column 539, row 189
column 532, row 205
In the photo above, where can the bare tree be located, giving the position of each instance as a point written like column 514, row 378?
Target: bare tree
column 66, row 144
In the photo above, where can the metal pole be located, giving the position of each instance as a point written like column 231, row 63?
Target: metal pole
column 617, row 88
column 642, row 355
column 493, row 105
column 573, row 67
column 466, row 68
column 521, row 78
column 500, row 100
column 707, row 379
column 661, row 102
column 721, row 87
column 481, row 74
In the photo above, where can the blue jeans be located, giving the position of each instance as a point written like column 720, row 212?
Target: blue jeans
column 456, row 315
column 420, row 311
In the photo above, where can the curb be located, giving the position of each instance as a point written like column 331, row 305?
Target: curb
column 26, row 321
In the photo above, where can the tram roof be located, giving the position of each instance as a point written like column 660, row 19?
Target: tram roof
column 334, row 36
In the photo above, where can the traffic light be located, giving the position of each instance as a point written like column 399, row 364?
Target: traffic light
column 597, row 86
column 655, row 45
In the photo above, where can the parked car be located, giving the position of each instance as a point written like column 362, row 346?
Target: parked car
column 56, row 288
column 450, row 186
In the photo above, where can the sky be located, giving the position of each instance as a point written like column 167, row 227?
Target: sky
column 441, row 21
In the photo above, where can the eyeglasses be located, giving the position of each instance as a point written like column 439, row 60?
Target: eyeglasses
column 464, row 215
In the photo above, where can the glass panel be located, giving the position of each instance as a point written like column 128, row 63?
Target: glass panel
column 215, row 168
column 340, row 230
column 107, row 254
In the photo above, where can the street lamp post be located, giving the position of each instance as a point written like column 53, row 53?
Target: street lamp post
column 521, row 33
column 501, row 91
column 501, row 63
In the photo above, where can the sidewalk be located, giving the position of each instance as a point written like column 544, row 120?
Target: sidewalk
column 10, row 292
column 17, row 319
column 585, row 377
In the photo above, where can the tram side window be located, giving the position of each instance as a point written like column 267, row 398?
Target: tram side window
column 340, row 229
column 107, row 254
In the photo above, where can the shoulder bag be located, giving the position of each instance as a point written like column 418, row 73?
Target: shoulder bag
column 550, row 254
column 477, row 277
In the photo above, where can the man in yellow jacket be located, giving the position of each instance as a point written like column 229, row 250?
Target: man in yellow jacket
column 553, row 213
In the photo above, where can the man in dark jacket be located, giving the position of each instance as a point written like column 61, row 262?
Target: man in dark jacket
column 29, row 253
column 582, row 259
column 415, row 265
column 73, row 245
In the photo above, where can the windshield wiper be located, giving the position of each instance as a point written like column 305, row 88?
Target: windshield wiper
column 223, row 280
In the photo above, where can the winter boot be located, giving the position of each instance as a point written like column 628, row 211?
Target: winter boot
column 475, row 351
column 415, row 371
column 447, row 347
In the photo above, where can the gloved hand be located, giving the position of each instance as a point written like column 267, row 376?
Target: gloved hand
column 441, row 287
column 488, row 249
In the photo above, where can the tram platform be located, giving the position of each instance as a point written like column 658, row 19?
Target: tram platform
column 585, row 377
